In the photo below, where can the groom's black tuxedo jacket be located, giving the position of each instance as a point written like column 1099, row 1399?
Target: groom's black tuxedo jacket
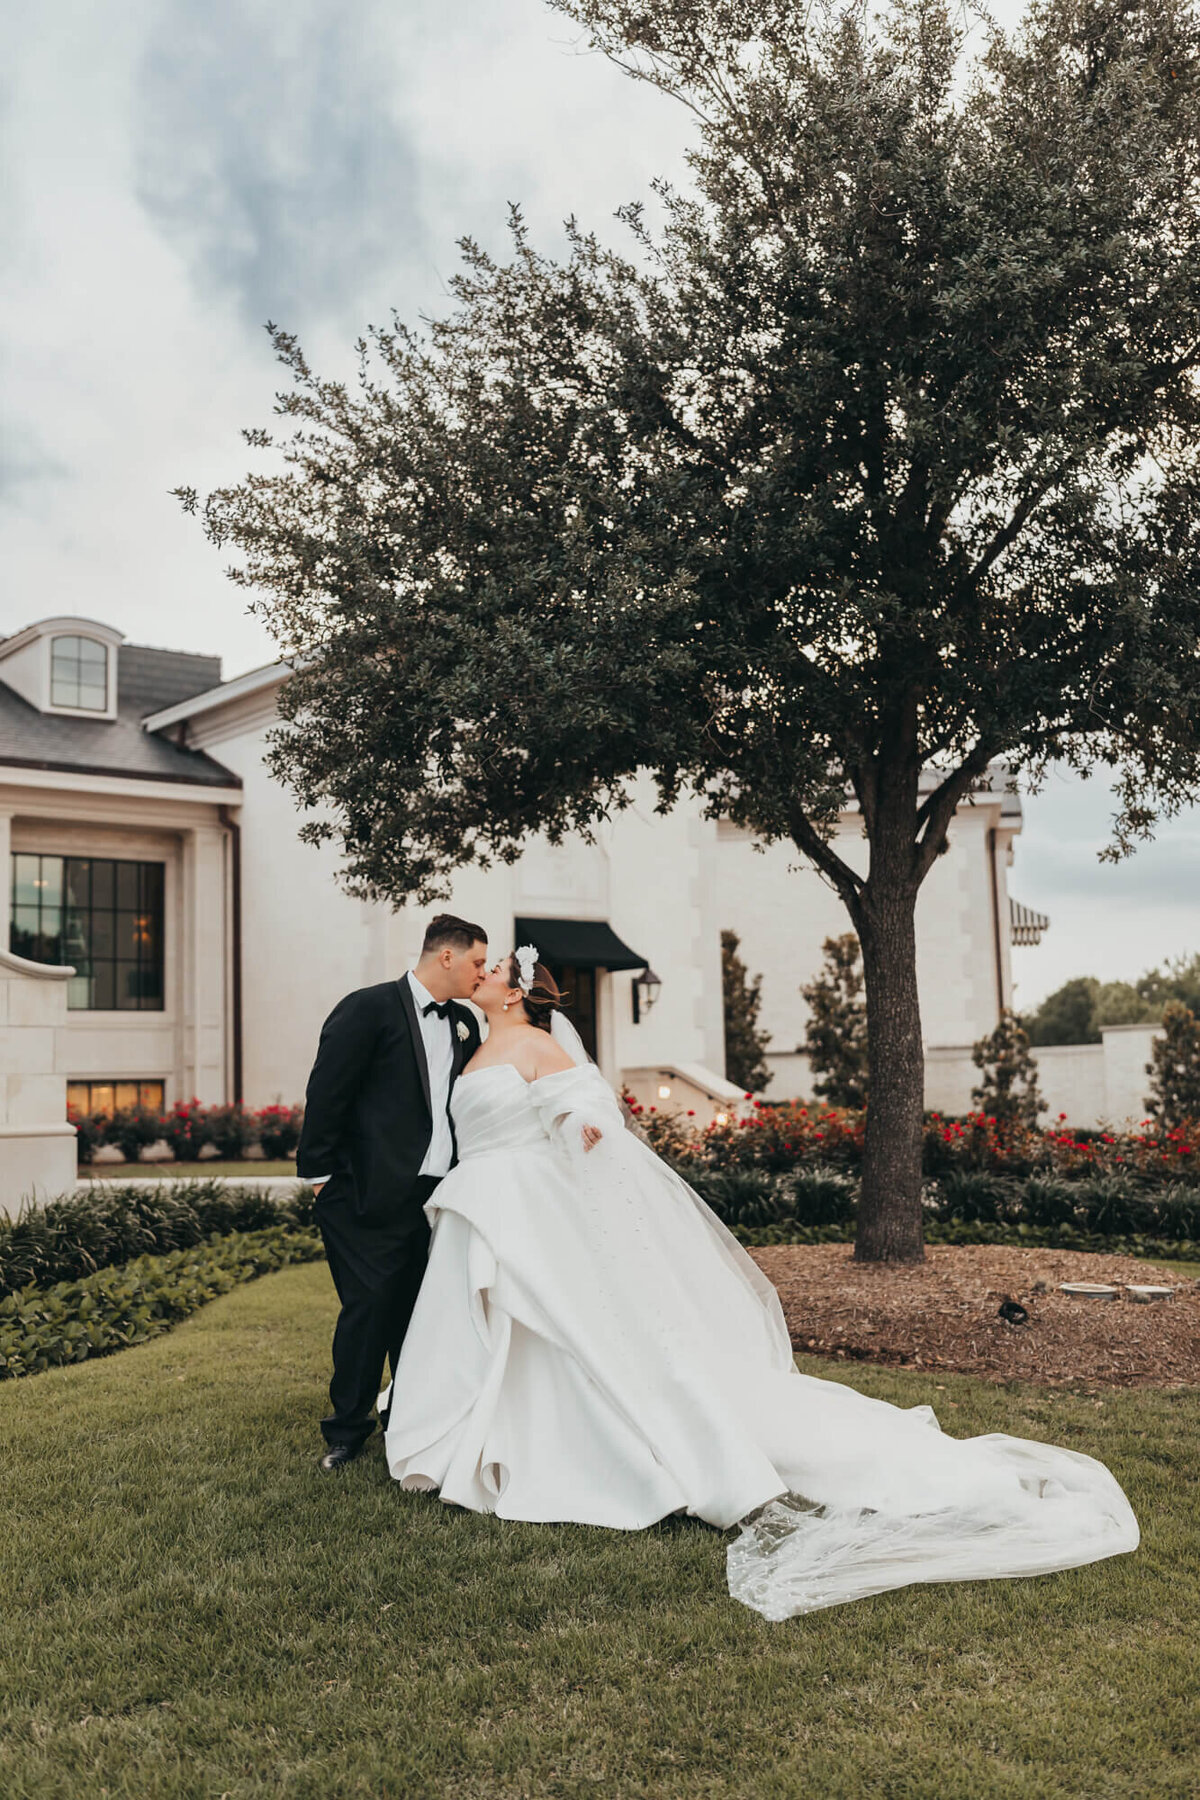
column 367, row 1114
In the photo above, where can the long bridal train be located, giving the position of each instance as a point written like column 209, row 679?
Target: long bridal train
column 591, row 1344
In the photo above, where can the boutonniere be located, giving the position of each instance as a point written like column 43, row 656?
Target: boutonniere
column 463, row 1033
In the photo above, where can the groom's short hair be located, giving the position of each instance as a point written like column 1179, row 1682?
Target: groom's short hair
column 446, row 929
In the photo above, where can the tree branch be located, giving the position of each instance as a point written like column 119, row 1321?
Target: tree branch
column 810, row 843
column 938, row 808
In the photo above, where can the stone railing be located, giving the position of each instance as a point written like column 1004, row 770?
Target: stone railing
column 37, row 1146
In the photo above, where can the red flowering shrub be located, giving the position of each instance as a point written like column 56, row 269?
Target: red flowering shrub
column 231, row 1131
column 89, row 1133
column 186, row 1128
column 777, row 1138
column 279, row 1131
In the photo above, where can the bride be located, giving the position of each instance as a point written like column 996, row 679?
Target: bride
column 591, row 1344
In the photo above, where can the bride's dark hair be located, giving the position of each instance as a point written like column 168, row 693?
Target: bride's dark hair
column 544, row 998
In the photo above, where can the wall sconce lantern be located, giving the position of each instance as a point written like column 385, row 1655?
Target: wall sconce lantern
column 646, row 990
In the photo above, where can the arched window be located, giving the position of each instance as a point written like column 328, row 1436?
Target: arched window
column 79, row 673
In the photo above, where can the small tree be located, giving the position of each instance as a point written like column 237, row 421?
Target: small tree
column 1174, row 1068
column 745, row 1044
column 835, row 1038
column 1008, row 1090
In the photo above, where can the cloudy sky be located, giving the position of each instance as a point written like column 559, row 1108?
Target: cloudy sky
column 180, row 171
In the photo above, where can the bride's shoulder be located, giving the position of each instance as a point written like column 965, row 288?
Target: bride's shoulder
column 547, row 1057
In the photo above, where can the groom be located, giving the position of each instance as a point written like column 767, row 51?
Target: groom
column 377, row 1139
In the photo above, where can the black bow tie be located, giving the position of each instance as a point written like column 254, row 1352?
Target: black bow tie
column 440, row 1007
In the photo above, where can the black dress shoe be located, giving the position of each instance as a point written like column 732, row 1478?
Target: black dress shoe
column 338, row 1455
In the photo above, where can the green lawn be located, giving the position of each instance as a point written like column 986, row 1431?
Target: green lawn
column 192, row 1609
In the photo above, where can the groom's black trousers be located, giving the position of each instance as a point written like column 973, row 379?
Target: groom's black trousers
column 377, row 1271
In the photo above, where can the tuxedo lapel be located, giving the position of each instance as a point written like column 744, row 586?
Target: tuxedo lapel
column 459, row 1016
column 408, row 1002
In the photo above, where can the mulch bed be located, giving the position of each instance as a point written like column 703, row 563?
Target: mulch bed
column 943, row 1314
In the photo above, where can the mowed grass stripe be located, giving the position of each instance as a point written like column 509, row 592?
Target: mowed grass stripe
column 192, row 1609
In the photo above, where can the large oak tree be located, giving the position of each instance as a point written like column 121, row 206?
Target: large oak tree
column 875, row 464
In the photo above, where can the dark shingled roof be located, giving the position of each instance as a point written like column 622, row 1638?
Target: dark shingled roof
column 150, row 680
column 147, row 681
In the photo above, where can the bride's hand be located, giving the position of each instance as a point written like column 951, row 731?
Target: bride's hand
column 591, row 1136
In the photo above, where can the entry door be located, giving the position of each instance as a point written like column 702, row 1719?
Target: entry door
column 579, row 987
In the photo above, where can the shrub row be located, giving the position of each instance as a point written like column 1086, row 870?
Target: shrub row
column 1027, row 1237
column 1103, row 1207
column 98, row 1229
column 779, row 1139
column 188, row 1128
column 43, row 1328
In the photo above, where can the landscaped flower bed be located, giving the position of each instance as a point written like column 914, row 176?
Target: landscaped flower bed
column 189, row 1130
column 793, row 1136
column 72, row 1321
column 789, row 1174
column 81, row 1233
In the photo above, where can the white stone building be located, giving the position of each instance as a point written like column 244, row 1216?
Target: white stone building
column 145, row 845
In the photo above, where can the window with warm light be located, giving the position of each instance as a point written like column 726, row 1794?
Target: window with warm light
column 79, row 674
column 104, row 1098
column 101, row 915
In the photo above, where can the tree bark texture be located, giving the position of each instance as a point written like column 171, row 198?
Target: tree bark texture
column 889, row 1216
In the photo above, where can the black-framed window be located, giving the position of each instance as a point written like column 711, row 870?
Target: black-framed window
column 102, row 915
column 79, row 673
column 107, row 1097
column 579, row 990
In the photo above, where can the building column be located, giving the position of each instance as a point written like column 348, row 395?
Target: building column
column 6, row 819
column 203, row 974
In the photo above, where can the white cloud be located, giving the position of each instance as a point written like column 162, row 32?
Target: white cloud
column 188, row 169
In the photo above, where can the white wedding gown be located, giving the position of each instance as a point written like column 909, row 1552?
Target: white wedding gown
column 591, row 1344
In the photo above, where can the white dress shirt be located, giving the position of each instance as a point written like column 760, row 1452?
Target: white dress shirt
column 437, row 1035
column 438, row 1038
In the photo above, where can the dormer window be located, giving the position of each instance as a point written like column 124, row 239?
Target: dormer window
column 65, row 666
column 79, row 674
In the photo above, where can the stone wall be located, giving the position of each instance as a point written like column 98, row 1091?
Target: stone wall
column 1092, row 1084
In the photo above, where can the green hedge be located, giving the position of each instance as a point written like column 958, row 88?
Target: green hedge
column 83, row 1232
column 961, row 1206
column 45, row 1327
column 1026, row 1237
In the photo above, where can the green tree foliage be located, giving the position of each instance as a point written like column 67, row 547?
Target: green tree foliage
column 835, row 1033
column 1008, row 1089
column 1174, row 1068
column 1074, row 1013
column 875, row 465
column 1176, row 980
column 745, row 1044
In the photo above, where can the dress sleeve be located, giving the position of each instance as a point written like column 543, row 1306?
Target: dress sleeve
column 572, row 1098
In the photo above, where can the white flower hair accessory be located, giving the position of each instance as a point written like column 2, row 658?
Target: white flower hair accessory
column 526, row 960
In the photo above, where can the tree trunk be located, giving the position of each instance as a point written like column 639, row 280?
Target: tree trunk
column 889, row 1213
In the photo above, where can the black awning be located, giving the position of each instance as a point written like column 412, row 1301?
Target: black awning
column 578, row 943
